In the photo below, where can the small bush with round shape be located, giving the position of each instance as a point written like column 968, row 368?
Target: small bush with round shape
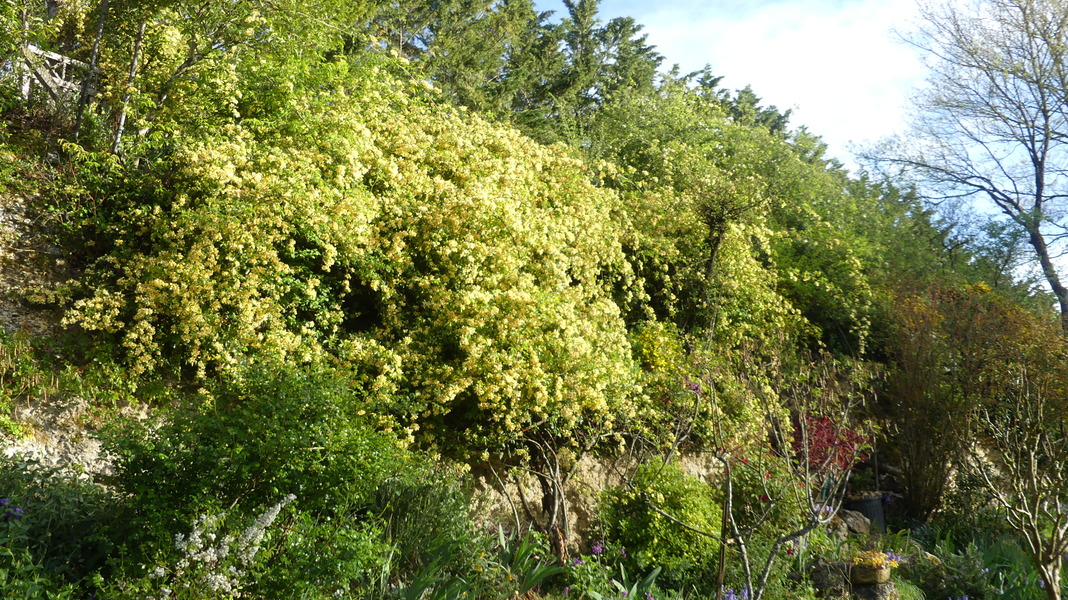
column 629, row 520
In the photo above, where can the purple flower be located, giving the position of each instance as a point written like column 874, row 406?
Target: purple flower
column 567, row 590
column 578, row 561
column 13, row 514
column 598, row 547
column 729, row 594
column 649, row 596
column 623, row 552
column 5, row 501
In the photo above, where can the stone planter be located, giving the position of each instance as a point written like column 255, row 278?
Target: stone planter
column 867, row 575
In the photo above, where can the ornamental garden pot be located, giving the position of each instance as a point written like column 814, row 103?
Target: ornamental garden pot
column 869, row 575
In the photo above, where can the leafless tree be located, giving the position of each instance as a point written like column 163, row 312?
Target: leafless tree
column 993, row 122
column 1023, row 461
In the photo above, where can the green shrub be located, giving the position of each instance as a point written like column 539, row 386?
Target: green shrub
column 505, row 566
column 603, row 574
column 24, row 578
column 909, row 590
column 782, row 584
column 978, row 564
column 318, row 558
column 420, row 508
column 213, row 559
column 465, row 271
column 265, row 436
column 364, row 507
column 64, row 523
column 652, row 540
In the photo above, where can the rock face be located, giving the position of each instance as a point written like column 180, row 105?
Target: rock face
column 60, row 437
column 28, row 264
column 831, row 579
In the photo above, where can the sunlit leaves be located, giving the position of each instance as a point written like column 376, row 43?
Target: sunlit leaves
column 463, row 270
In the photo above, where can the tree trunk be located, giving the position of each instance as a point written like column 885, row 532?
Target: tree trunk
column 121, row 125
column 1050, row 271
column 83, row 98
column 25, row 77
column 1051, row 578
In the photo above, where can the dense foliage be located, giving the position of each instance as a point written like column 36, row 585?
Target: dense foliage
column 340, row 253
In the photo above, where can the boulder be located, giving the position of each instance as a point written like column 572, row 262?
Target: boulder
column 855, row 522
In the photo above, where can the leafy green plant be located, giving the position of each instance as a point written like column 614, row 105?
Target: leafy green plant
column 65, row 520
column 22, row 573
column 320, row 240
column 314, row 557
column 525, row 561
column 508, row 566
column 603, row 574
column 243, row 452
column 213, row 560
column 627, row 588
column 1013, row 573
column 781, row 583
column 908, row 590
column 978, row 567
column 633, row 518
column 421, row 507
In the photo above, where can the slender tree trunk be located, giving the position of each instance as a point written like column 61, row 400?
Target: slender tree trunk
column 1050, row 271
column 24, row 85
column 83, row 98
column 121, row 125
column 724, row 534
column 1051, row 577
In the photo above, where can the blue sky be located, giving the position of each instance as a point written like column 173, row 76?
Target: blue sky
column 836, row 63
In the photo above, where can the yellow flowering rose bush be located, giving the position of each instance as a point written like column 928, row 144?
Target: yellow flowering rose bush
column 464, row 272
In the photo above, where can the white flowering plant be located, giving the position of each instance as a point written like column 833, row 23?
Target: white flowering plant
column 213, row 560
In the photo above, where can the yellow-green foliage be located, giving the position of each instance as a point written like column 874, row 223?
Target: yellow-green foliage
column 464, row 270
column 731, row 228
column 692, row 386
column 650, row 538
column 659, row 350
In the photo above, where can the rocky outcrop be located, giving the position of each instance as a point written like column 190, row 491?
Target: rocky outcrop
column 29, row 267
column 58, row 427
